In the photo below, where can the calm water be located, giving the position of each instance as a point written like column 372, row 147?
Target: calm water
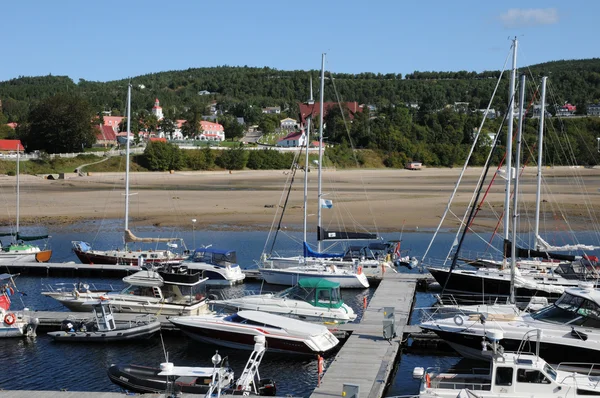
column 40, row 364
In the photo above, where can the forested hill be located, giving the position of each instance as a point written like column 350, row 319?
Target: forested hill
column 576, row 81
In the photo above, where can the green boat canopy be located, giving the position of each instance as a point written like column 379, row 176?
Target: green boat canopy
column 314, row 283
column 317, row 292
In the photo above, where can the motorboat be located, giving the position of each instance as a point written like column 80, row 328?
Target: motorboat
column 511, row 374
column 312, row 300
column 147, row 292
column 219, row 266
column 347, row 278
column 237, row 331
column 105, row 328
column 571, row 328
column 14, row 323
column 195, row 380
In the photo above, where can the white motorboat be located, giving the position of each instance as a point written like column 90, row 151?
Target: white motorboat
column 219, row 266
column 238, row 330
column 511, row 374
column 148, row 292
column 347, row 278
column 105, row 328
column 14, row 323
column 312, row 300
column 571, row 328
column 196, row 380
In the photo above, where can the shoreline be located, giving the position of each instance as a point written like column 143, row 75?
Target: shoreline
column 387, row 200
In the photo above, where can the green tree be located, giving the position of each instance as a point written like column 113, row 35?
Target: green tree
column 61, row 123
column 192, row 127
column 234, row 158
column 167, row 126
column 162, row 156
column 233, row 129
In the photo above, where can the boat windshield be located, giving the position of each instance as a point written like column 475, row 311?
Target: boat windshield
column 328, row 297
column 235, row 318
column 572, row 310
column 550, row 372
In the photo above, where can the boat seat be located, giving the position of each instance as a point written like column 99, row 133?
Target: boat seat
column 493, row 317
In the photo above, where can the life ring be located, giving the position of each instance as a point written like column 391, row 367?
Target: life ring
column 10, row 318
column 428, row 380
column 458, row 320
column 359, row 270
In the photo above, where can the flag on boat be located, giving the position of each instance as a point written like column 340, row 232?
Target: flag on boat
column 326, row 204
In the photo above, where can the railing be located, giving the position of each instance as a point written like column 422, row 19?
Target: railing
column 81, row 288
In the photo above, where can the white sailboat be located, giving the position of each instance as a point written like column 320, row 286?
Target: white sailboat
column 126, row 256
column 346, row 270
column 18, row 251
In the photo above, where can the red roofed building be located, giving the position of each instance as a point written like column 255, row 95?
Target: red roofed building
column 105, row 135
column 11, row 146
column 296, row 139
column 113, row 122
column 566, row 110
column 157, row 110
column 158, row 139
column 312, row 110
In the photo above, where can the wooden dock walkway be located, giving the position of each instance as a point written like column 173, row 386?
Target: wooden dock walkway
column 367, row 359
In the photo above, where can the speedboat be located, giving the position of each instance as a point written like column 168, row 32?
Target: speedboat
column 14, row 323
column 511, row 374
column 571, row 328
column 147, row 292
column 238, row 330
column 219, row 266
column 196, row 380
column 313, row 300
column 347, row 278
column 105, row 328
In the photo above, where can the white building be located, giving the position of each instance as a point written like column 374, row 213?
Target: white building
column 289, row 124
column 296, row 139
column 157, row 110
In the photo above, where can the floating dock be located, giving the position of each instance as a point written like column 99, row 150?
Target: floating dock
column 71, row 269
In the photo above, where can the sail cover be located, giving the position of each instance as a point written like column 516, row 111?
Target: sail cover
column 308, row 252
column 529, row 253
column 130, row 237
column 323, row 234
column 24, row 238
column 547, row 246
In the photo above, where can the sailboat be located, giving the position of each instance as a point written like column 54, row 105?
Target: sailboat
column 126, row 256
column 18, row 251
column 336, row 267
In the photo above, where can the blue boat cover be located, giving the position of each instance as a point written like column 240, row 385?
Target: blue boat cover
column 308, row 252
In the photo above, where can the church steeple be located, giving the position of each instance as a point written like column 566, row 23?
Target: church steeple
column 157, row 110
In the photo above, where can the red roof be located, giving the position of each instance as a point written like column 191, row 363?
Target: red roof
column 157, row 139
column 308, row 110
column 570, row 108
column 156, row 105
column 105, row 133
column 11, row 145
column 292, row 136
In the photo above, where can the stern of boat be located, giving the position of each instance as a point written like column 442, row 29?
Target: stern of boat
column 43, row 256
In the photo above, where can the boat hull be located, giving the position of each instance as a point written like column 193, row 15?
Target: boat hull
column 243, row 341
column 141, row 332
column 476, row 283
column 469, row 346
column 288, row 277
column 119, row 258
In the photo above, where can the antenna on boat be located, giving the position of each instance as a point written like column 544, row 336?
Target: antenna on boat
column 127, row 160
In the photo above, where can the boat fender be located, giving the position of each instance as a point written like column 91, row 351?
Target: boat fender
column 199, row 296
column 458, row 320
column 359, row 271
column 428, row 380
column 10, row 318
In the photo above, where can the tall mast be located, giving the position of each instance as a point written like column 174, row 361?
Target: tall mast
column 321, row 99
column 127, row 158
column 18, row 192
column 538, row 192
column 509, row 137
column 311, row 101
column 513, row 250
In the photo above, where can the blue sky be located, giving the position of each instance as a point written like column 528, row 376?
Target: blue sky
column 111, row 40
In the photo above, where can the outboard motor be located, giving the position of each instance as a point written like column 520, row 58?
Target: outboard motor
column 267, row 387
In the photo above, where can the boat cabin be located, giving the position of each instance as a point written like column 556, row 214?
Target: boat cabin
column 317, row 292
column 105, row 319
column 151, row 284
column 577, row 307
column 221, row 258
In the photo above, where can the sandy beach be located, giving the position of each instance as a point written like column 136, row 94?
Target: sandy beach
column 373, row 200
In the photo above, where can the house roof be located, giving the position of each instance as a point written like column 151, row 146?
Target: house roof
column 292, row 136
column 105, row 133
column 157, row 139
column 112, row 120
column 11, row 145
column 569, row 107
column 313, row 109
